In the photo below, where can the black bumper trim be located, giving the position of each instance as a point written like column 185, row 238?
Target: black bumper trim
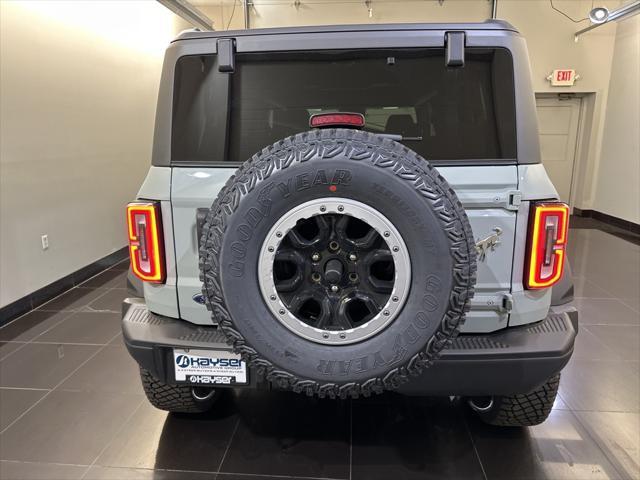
column 513, row 360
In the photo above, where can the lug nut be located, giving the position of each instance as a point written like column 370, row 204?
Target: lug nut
column 333, row 245
column 353, row 277
column 353, row 257
column 315, row 257
column 315, row 276
column 334, row 288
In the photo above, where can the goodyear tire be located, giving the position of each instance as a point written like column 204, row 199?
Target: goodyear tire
column 523, row 410
column 404, row 213
column 177, row 398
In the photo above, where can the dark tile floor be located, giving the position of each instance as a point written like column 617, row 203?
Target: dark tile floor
column 71, row 405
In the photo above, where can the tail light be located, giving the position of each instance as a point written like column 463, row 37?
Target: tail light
column 547, row 241
column 145, row 241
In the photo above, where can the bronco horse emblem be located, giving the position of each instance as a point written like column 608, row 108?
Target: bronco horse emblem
column 488, row 244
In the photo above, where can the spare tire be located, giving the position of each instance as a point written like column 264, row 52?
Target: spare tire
column 338, row 263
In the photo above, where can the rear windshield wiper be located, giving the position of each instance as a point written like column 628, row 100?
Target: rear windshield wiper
column 399, row 138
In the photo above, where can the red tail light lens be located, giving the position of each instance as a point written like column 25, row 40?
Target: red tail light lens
column 337, row 120
column 547, row 242
column 145, row 241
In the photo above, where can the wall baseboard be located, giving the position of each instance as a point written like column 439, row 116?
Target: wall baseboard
column 608, row 219
column 44, row 294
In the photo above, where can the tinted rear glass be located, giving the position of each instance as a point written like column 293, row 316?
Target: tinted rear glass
column 444, row 113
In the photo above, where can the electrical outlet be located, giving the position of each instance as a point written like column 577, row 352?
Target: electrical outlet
column 45, row 242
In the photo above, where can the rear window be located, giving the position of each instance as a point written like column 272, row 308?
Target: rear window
column 445, row 114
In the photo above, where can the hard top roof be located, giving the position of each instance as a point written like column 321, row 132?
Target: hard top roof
column 486, row 25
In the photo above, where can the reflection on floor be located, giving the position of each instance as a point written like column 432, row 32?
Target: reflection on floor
column 71, row 404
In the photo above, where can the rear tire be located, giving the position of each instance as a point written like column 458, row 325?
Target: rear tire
column 177, row 398
column 524, row 410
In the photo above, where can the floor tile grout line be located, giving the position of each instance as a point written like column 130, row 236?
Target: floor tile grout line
column 69, row 312
column 44, row 463
column 613, row 296
column 600, row 342
column 67, row 291
column 42, row 308
column 174, row 470
column 14, row 351
column 113, row 437
column 261, row 475
column 32, row 341
column 39, row 307
column 609, row 324
column 27, row 388
column 611, row 460
column 29, row 342
column 226, row 450
column 79, row 344
column 627, row 305
column 475, row 448
column 80, row 310
column 54, row 387
column 558, row 394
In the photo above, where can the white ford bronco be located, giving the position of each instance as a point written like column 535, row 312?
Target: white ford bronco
column 346, row 210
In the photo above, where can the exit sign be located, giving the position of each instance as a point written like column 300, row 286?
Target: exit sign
column 563, row 78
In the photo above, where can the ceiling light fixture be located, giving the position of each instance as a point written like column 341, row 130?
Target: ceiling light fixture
column 599, row 15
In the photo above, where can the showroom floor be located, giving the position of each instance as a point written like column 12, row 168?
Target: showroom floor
column 71, row 404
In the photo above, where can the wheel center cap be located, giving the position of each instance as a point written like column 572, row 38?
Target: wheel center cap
column 333, row 271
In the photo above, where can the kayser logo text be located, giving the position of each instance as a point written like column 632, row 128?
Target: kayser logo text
column 184, row 361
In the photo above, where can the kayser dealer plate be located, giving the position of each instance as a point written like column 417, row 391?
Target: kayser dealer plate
column 209, row 367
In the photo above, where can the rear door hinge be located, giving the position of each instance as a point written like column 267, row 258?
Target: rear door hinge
column 454, row 42
column 502, row 302
column 514, row 199
column 226, row 55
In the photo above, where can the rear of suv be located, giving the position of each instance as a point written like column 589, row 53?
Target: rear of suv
column 341, row 211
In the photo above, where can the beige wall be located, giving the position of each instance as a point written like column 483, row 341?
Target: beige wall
column 618, row 176
column 79, row 82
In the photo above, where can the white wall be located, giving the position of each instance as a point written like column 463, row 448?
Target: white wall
column 618, row 176
column 79, row 83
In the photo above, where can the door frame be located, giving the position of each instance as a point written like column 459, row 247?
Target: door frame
column 580, row 146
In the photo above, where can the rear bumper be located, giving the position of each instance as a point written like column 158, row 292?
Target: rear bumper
column 514, row 360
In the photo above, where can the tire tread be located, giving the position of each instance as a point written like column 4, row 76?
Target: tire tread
column 172, row 398
column 525, row 410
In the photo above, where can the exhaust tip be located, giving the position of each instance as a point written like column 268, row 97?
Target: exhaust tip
column 481, row 404
column 202, row 394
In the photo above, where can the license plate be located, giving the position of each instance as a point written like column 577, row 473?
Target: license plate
column 209, row 367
